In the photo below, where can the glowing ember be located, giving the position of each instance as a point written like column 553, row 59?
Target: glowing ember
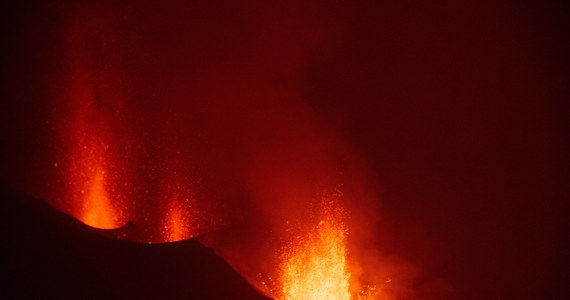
column 315, row 265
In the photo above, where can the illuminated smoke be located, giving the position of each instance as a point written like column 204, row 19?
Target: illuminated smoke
column 227, row 149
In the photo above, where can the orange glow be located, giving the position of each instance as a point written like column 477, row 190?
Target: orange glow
column 97, row 209
column 93, row 196
column 315, row 265
column 177, row 227
column 88, row 119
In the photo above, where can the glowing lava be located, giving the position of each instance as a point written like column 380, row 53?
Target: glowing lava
column 92, row 173
column 89, row 175
column 88, row 117
column 97, row 209
column 315, row 265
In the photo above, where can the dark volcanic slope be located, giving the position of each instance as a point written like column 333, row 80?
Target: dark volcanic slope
column 47, row 255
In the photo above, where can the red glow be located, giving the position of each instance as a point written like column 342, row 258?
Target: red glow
column 176, row 225
column 266, row 157
column 171, row 116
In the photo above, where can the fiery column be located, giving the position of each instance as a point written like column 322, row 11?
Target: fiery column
column 315, row 264
column 87, row 121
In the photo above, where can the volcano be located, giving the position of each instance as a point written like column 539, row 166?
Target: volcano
column 242, row 149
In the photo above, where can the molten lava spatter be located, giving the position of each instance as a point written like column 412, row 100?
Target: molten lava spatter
column 180, row 214
column 90, row 158
column 87, row 117
column 315, row 265
column 97, row 208
column 177, row 224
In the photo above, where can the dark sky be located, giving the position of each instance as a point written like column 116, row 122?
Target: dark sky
column 459, row 107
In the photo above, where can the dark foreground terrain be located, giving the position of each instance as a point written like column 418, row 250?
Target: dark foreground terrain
column 48, row 255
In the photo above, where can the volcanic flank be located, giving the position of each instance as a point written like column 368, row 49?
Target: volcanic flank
column 47, row 254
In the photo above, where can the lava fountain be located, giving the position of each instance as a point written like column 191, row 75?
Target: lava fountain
column 314, row 265
column 176, row 226
column 118, row 156
column 87, row 123
column 181, row 215
column 90, row 161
